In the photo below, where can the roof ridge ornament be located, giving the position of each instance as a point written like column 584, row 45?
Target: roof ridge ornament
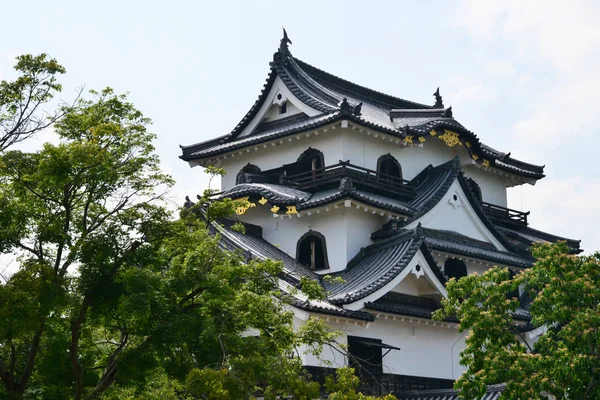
column 439, row 103
column 344, row 106
column 346, row 184
column 419, row 231
column 283, row 45
column 347, row 109
column 447, row 112
column 188, row 203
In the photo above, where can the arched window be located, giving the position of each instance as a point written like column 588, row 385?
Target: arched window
column 311, row 251
column 310, row 160
column 454, row 268
column 241, row 176
column 388, row 165
column 474, row 188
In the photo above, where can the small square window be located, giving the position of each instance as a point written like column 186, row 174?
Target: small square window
column 283, row 108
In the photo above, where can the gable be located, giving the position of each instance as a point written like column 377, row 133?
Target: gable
column 455, row 213
column 269, row 110
column 419, row 277
column 418, row 285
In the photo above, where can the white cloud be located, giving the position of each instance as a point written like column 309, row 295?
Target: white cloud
column 566, row 207
column 499, row 69
column 462, row 89
column 561, row 35
column 561, row 42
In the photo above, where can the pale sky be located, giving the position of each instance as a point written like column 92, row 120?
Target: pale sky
column 522, row 75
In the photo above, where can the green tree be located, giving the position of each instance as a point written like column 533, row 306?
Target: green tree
column 113, row 296
column 564, row 360
column 22, row 100
column 344, row 386
column 63, row 209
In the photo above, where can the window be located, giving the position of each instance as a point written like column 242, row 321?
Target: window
column 474, row 188
column 389, row 166
column 311, row 251
column 310, row 160
column 454, row 268
column 248, row 169
column 283, row 108
column 365, row 355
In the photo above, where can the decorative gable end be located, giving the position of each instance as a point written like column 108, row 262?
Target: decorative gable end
column 279, row 104
column 454, row 212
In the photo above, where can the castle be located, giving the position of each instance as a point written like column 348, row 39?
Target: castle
column 393, row 196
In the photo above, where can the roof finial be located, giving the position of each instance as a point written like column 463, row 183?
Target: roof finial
column 439, row 103
column 344, row 106
column 283, row 46
column 188, row 203
column 419, row 230
column 447, row 112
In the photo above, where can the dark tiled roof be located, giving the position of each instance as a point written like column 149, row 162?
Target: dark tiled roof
column 525, row 236
column 478, row 207
column 283, row 195
column 404, row 304
column 225, row 144
column 324, row 92
column 348, row 88
column 422, row 121
column 372, row 199
column 324, row 308
column 255, row 246
column 377, row 265
column 274, row 193
column 493, row 393
column 431, row 185
column 459, row 244
column 423, row 307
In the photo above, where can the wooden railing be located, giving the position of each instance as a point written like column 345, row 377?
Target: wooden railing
column 505, row 214
column 359, row 175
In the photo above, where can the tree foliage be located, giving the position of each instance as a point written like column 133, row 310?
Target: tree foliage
column 114, row 297
column 22, row 100
column 560, row 356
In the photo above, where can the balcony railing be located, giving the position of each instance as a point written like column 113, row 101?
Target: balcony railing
column 504, row 214
column 360, row 176
column 379, row 384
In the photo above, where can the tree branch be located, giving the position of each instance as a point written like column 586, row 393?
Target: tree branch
column 77, row 324
column 33, row 350
column 110, row 372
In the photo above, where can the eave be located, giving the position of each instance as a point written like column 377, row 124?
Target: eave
column 325, row 92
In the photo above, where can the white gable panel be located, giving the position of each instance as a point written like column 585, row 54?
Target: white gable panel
column 419, row 267
column 278, row 88
column 454, row 213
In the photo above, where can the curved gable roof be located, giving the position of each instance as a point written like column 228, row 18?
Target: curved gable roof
column 325, row 92
column 377, row 265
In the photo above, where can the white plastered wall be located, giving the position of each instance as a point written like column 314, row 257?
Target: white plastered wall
column 266, row 110
column 346, row 231
column 275, row 156
column 473, row 265
column 493, row 187
column 425, row 350
column 364, row 150
column 457, row 215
